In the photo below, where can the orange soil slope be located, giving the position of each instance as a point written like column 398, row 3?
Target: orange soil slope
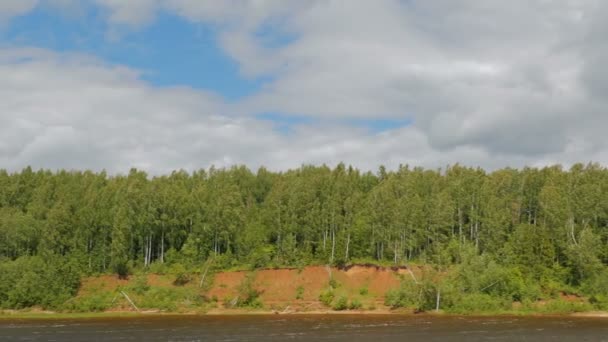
column 279, row 287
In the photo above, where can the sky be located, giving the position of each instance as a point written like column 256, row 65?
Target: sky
column 161, row 85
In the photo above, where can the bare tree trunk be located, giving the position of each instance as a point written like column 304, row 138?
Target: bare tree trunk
column 89, row 248
column 333, row 243
column 145, row 252
column 205, row 273
column 477, row 234
column 149, row 248
column 130, row 301
column 347, row 245
column 411, row 274
column 459, row 225
column 162, row 245
column 572, row 231
column 438, row 299
column 395, row 253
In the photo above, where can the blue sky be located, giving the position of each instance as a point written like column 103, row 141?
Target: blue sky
column 169, row 84
column 170, row 51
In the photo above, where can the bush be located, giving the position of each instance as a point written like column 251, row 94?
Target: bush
column 261, row 256
column 30, row 281
column 478, row 303
column 98, row 301
column 341, row 304
column 140, row 284
column 355, row 304
column 407, row 295
column 248, row 294
column 597, row 289
column 599, row 302
column 121, row 269
column 561, row 306
column 300, row 292
column 158, row 268
column 182, row 277
column 169, row 299
column 363, row 291
column 327, row 297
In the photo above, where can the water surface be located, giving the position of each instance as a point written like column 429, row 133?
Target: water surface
column 308, row 328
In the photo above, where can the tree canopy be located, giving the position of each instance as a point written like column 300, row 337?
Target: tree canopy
column 546, row 222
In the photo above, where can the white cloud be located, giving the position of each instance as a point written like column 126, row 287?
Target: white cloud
column 134, row 13
column 11, row 8
column 485, row 83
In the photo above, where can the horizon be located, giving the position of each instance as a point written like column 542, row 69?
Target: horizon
column 256, row 170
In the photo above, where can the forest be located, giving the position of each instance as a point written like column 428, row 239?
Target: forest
column 541, row 229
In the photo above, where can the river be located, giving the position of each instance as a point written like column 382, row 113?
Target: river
column 351, row 328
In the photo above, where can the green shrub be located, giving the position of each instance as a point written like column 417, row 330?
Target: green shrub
column 363, row 291
column 158, row 268
column 47, row 282
column 98, row 301
column 261, row 256
column 182, row 277
column 478, row 303
column 300, row 292
column 596, row 287
column 249, row 296
column 341, row 304
column 327, row 297
column 599, row 301
column 561, row 306
column 121, row 269
column 355, row 304
column 407, row 295
column 169, row 299
column 140, row 284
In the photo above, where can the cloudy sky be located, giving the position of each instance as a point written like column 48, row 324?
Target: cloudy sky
column 185, row 84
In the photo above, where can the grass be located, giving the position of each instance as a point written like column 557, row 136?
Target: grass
column 160, row 294
column 8, row 315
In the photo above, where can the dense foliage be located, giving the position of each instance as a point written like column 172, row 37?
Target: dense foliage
column 531, row 226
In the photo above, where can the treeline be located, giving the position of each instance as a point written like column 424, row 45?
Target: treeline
column 548, row 222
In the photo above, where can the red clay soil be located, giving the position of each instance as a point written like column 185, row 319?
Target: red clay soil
column 102, row 283
column 279, row 287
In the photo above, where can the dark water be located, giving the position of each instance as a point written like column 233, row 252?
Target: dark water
column 350, row 328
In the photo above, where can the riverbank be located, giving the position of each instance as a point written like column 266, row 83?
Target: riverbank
column 50, row 315
column 313, row 290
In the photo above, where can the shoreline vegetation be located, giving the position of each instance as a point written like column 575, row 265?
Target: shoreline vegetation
column 371, row 286
column 458, row 240
column 18, row 314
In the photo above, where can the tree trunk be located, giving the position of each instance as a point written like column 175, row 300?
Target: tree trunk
column 438, row 299
column 162, row 245
column 145, row 252
column 395, row 253
column 459, row 225
column 149, row 248
column 130, row 301
column 333, row 244
column 347, row 245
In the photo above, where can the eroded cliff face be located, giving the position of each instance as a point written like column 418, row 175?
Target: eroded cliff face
column 282, row 290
